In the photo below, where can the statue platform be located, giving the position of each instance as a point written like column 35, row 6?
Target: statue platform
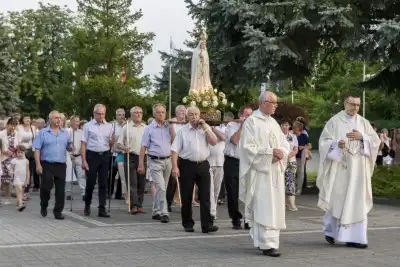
column 210, row 115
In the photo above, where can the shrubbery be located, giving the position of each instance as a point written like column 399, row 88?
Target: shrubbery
column 386, row 182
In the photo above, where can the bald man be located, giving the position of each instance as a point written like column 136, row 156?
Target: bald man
column 263, row 151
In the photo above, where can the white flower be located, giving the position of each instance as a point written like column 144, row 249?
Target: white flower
column 224, row 101
column 215, row 91
column 232, row 105
column 215, row 104
column 192, row 104
column 184, row 100
column 221, row 95
column 198, row 99
column 205, row 104
column 215, row 98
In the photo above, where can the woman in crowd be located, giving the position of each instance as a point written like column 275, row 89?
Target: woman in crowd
column 9, row 140
column 396, row 146
column 26, row 134
column 290, row 172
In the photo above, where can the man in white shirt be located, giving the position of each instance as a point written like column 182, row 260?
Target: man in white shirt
column 129, row 141
column 180, row 113
column 191, row 144
column 118, row 123
column 75, row 139
column 216, row 160
column 231, row 166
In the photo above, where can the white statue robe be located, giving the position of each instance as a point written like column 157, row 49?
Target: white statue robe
column 344, row 177
column 262, row 183
column 200, row 75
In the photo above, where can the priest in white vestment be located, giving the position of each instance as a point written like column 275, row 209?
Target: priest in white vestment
column 348, row 148
column 263, row 151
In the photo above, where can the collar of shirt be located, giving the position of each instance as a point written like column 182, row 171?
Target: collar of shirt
column 154, row 124
column 98, row 123
column 131, row 123
column 48, row 129
column 192, row 128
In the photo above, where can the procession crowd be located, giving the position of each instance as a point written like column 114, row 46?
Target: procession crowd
column 253, row 159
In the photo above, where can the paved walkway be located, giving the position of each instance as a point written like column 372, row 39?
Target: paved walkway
column 26, row 239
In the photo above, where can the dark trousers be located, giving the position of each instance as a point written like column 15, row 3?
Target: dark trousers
column 222, row 192
column 111, row 181
column 53, row 173
column 171, row 189
column 99, row 164
column 191, row 173
column 36, row 178
column 231, row 179
column 137, row 181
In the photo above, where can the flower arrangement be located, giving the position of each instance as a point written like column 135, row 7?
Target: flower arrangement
column 207, row 100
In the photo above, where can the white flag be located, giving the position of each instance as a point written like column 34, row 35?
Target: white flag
column 172, row 48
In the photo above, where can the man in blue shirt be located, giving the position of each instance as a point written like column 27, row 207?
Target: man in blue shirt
column 51, row 145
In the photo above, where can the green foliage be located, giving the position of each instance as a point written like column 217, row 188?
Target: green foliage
column 39, row 39
column 386, row 182
column 9, row 100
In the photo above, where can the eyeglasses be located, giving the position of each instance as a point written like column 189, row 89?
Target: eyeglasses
column 353, row 104
column 273, row 103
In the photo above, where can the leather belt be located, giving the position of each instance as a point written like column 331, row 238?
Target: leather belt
column 161, row 158
column 194, row 162
column 76, row 155
column 99, row 153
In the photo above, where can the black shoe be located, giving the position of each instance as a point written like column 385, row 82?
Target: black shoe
column 43, row 211
column 237, row 227
column 69, row 198
column 330, row 240
column 58, row 216
column 164, row 219
column 169, row 209
column 210, row 229
column 156, row 217
column 103, row 214
column 21, row 208
column 271, row 252
column 189, row 229
column 86, row 212
column 246, row 226
column 356, row 245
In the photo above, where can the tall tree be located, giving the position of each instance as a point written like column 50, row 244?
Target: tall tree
column 40, row 53
column 106, row 43
column 253, row 40
column 9, row 100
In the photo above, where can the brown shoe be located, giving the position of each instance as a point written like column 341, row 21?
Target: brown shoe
column 141, row 210
column 134, row 210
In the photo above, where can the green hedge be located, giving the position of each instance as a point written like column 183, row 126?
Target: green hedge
column 386, row 182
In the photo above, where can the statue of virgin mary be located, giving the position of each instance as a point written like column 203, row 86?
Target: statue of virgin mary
column 200, row 76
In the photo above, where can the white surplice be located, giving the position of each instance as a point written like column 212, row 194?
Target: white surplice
column 344, row 177
column 262, row 183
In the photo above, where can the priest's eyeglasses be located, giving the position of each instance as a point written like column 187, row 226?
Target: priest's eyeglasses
column 353, row 104
column 271, row 102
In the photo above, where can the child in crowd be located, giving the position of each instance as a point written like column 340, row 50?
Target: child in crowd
column 20, row 171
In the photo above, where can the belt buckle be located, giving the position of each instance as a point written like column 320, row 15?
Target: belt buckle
column 101, row 153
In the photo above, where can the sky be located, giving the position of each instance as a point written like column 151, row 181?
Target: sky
column 166, row 18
